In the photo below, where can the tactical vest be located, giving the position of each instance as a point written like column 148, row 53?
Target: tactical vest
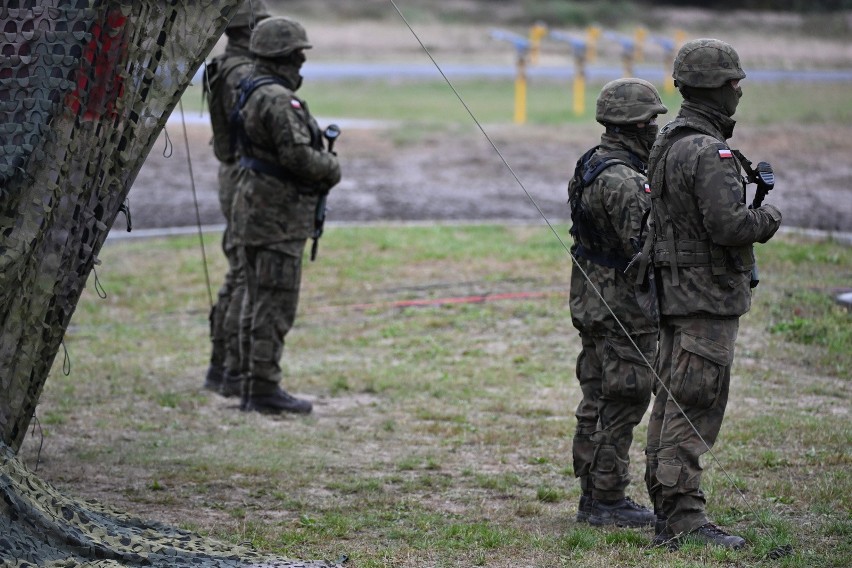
column 215, row 85
column 665, row 248
column 245, row 145
column 590, row 241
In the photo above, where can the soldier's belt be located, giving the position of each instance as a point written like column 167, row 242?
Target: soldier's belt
column 688, row 253
column 264, row 167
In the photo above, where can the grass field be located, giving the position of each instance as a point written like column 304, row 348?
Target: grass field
column 549, row 101
column 442, row 432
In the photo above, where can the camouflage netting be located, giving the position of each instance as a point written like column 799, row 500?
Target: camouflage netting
column 85, row 88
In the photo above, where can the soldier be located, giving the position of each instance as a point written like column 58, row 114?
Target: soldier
column 608, row 206
column 285, row 170
column 703, row 255
column 222, row 76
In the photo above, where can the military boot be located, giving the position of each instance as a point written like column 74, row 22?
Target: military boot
column 213, row 379
column 584, row 509
column 620, row 512
column 663, row 535
column 711, row 534
column 232, row 384
column 274, row 402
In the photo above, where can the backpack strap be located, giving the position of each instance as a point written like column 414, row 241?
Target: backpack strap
column 240, row 136
column 587, row 169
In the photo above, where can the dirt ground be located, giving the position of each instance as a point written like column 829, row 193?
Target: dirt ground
column 457, row 175
column 462, row 178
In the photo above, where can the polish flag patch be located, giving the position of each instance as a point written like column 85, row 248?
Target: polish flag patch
column 647, row 188
column 725, row 153
column 295, row 103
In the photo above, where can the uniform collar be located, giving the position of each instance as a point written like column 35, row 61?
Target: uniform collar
column 719, row 121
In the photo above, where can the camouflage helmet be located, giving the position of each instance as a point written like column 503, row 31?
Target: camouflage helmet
column 706, row 64
column 628, row 101
column 249, row 13
column 277, row 37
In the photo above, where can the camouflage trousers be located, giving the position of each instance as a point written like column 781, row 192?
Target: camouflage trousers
column 616, row 384
column 695, row 366
column 268, row 312
column 225, row 313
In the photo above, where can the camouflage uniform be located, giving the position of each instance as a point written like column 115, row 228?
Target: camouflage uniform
column 284, row 171
column 614, row 377
column 222, row 77
column 703, row 256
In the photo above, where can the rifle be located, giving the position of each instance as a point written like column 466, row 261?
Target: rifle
column 764, row 177
column 331, row 133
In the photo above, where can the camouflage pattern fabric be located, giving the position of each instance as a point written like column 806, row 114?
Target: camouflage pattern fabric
column 614, row 378
column 39, row 526
column 616, row 386
column 704, row 231
column 617, row 201
column 695, row 366
column 703, row 254
column 221, row 80
column 273, row 279
column 273, row 215
column 269, row 209
column 86, row 86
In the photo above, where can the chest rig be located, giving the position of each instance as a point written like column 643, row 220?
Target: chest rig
column 591, row 241
column 666, row 247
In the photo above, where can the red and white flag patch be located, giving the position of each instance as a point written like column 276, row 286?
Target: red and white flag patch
column 647, row 188
column 725, row 153
column 295, row 103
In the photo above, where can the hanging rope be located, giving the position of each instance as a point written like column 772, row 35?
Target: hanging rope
column 195, row 202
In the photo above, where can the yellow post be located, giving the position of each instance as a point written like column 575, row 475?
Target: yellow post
column 679, row 39
column 594, row 33
column 627, row 60
column 639, row 36
column 579, row 86
column 668, row 81
column 537, row 32
column 521, row 92
column 668, row 61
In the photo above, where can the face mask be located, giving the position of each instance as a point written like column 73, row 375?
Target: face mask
column 648, row 134
column 731, row 98
column 644, row 138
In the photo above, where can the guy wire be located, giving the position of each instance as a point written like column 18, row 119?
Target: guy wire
column 195, row 202
column 577, row 265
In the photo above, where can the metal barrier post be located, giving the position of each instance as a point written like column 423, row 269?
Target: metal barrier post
column 522, row 49
column 580, row 50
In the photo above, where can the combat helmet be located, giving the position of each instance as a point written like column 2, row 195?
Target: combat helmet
column 706, row 64
column 277, row 37
column 628, row 101
column 249, row 13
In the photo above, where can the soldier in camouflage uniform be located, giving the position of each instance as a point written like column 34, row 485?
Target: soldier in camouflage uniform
column 702, row 253
column 222, row 76
column 608, row 203
column 284, row 171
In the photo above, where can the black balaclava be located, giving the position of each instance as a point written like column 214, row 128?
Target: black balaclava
column 287, row 67
column 637, row 140
column 724, row 99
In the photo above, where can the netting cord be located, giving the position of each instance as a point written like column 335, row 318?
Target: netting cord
column 585, row 275
column 36, row 421
column 195, row 202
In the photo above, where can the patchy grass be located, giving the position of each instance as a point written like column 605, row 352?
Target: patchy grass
column 442, row 432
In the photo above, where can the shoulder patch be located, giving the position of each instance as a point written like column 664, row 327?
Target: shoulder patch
column 296, row 104
column 647, row 188
column 725, row 153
